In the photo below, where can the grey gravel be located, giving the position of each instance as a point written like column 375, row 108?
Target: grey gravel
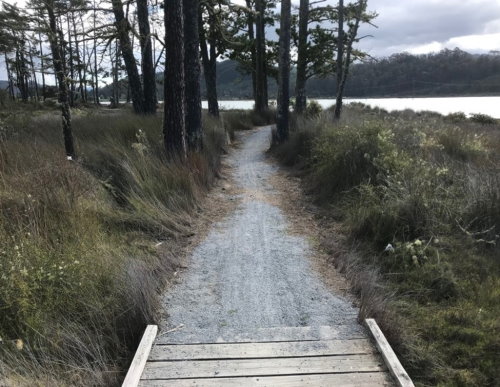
column 249, row 272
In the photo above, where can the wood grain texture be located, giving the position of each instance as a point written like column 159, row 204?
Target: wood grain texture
column 141, row 357
column 326, row 380
column 261, row 350
column 342, row 332
column 261, row 367
column 396, row 369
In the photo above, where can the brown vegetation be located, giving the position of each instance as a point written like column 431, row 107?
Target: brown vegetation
column 80, row 264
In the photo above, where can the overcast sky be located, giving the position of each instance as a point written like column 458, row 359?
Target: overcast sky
column 422, row 26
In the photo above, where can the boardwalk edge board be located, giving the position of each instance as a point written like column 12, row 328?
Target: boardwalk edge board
column 141, row 357
column 391, row 360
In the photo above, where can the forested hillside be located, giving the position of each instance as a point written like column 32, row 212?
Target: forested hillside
column 449, row 72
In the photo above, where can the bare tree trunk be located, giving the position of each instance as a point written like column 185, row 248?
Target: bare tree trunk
column 340, row 60
column 192, row 74
column 33, row 72
column 148, row 72
column 134, row 80
column 209, row 61
column 96, row 79
column 78, row 60
column 261, row 102
column 22, row 81
column 113, row 103
column 284, row 73
column 174, row 129
column 300, row 84
column 42, row 65
column 353, row 32
column 71, row 67
column 117, row 69
column 58, row 58
column 251, row 36
column 9, row 78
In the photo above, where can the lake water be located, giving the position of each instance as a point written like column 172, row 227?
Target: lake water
column 467, row 105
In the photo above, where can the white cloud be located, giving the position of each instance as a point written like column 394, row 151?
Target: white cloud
column 474, row 43
column 426, row 48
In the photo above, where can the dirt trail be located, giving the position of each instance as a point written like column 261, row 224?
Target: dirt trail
column 250, row 272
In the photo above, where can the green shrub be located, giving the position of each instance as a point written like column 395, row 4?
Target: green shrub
column 428, row 186
column 456, row 117
column 483, row 119
column 313, row 109
column 460, row 144
column 345, row 157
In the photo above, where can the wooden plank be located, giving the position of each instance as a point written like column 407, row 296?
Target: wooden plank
column 141, row 356
column 390, row 358
column 261, row 350
column 325, row 380
column 260, row 335
column 261, row 367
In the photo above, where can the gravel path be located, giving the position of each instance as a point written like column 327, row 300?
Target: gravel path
column 249, row 272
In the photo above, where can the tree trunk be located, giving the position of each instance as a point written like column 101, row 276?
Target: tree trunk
column 9, row 78
column 134, row 80
column 71, row 66
column 261, row 103
column 21, row 71
column 251, row 36
column 78, row 60
column 300, row 84
column 96, row 80
column 148, row 72
column 284, row 73
column 340, row 60
column 174, row 129
column 209, row 61
column 192, row 74
column 42, row 65
column 112, row 60
column 117, row 70
column 353, row 32
column 33, row 71
column 57, row 57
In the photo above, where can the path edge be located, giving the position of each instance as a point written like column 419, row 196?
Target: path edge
column 391, row 360
column 141, row 356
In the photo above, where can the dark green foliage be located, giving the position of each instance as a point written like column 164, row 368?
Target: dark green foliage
column 483, row 119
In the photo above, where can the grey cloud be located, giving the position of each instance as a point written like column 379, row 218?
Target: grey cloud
column 405, row 24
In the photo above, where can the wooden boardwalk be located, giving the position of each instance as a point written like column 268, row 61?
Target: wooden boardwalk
column 295, row 356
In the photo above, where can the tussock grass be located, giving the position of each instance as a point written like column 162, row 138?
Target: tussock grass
column 246, row 119
column 429, row 186
column 80, row 266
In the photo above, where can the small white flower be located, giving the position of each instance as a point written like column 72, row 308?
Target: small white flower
column 69, row 158
column 389, row 248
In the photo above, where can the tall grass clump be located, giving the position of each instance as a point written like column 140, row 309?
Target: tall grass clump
column 81, row 266
column 246, row 119
column 420, row 195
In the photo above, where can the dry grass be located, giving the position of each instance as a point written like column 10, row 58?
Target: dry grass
column 80, row 270
column 429, row 186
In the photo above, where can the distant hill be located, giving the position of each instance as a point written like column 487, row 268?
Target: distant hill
column 449, row 72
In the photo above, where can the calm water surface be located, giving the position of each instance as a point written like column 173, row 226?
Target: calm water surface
column 467, row 105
